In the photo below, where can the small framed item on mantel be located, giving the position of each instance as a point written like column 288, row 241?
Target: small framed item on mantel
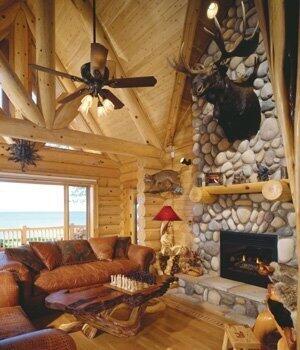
column 213, row 179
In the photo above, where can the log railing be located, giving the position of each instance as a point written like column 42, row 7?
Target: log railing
column 13, row 237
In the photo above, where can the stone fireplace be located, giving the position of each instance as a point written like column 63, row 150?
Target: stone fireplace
column 255, row 228
column 241, row 254
column 214, row 153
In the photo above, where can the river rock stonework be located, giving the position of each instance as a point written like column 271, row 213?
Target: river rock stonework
column 213, row 153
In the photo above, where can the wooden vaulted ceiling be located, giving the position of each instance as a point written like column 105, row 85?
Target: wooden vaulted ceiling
column 143, row 35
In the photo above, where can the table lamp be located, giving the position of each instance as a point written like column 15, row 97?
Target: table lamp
column 168, row 214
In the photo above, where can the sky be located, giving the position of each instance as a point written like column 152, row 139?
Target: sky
column 33, row 197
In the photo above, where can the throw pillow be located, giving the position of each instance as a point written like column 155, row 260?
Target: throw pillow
column 25, row 255
column 76, row 251
column 104, row 247
column 48, row 252
column 121, row 248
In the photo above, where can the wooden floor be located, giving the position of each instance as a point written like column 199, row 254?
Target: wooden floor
column 170, row 330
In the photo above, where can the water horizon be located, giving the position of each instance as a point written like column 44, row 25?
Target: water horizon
column 18, row 219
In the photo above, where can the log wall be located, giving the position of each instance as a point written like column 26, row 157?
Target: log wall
column 75, row 164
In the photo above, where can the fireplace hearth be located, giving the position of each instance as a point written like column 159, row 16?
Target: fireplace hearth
column 241, row 254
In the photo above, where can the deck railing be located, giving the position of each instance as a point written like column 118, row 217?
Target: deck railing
column 13, row 237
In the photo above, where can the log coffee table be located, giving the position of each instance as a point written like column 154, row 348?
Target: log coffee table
column 102, row 308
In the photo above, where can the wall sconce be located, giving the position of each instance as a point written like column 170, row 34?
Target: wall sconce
column 185, row 161
column 212, row 10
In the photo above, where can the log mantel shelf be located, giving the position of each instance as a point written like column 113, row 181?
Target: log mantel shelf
column 272, row 190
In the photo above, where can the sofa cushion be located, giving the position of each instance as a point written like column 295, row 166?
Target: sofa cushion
column 14, row 322
column 74, row 276
column 104, row 247
column 121, row 248
column 25, row 255
column 48, row 252
column 76, row 251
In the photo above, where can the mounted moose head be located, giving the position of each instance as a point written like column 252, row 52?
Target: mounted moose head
column 236, row 106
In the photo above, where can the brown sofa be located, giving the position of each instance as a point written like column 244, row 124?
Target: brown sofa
column 16, row 331
column 35, row 286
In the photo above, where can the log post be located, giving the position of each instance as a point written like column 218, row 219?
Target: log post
column 17, row 94
column 24, row 235
column 45, row 56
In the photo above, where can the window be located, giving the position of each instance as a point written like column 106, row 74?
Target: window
column 78, row 212
column 43, row 212
column 34, row 97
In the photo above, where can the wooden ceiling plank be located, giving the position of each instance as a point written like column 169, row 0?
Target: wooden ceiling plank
column 25, row 130
column 17, row 94
column 8, row 16
column 45, row 56
column 128, row 96
column 192, row 16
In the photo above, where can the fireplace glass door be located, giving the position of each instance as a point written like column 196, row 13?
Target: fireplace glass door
column 241, row 254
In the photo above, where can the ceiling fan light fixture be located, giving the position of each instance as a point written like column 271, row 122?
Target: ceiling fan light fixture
column 101, row 111
column 108, row 105
column 86, row 104
column 212, row 10
column 105, row 107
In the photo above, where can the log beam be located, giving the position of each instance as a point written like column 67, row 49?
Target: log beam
column 15, row 91
column 128, row 96
column 191, row 20
column 20, row 48
column 275, row 190
column 45, row 56
column 66, row 113
column 25, row 130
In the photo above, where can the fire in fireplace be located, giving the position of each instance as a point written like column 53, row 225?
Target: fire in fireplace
column 241, row 254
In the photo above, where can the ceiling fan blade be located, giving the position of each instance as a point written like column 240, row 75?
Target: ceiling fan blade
column 98, row 59
column 132, row 82
column 55, row 72
column 73, row 95
column 114, row 99
column 111, row 65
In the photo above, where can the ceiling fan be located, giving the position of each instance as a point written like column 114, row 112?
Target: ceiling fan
column 95, row 75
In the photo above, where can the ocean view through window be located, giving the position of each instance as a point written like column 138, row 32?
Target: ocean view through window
column 40, row 212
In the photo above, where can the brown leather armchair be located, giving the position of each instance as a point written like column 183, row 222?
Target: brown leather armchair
column 16, row 331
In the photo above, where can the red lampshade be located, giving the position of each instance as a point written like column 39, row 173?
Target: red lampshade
column 166, row 213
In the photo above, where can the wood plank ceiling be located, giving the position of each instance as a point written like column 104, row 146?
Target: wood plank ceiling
column 143, row 34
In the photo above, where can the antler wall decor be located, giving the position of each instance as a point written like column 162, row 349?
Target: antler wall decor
column 236, row 106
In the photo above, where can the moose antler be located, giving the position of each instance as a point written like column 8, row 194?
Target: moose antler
column 244, row 48
column 182, row 66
